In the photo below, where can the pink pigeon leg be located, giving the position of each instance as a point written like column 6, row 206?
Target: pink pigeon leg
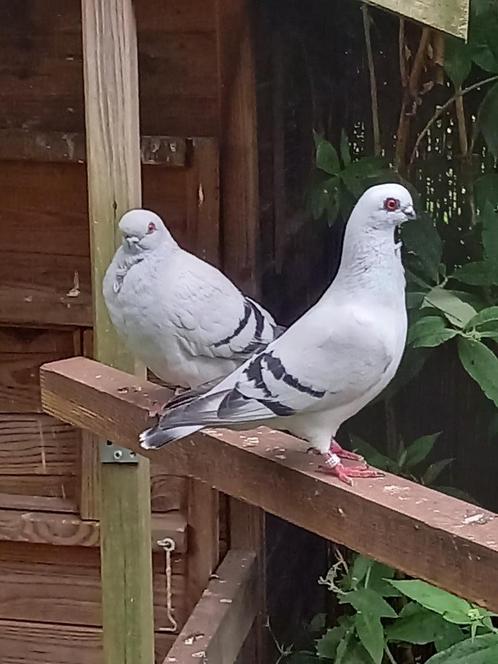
column 333, row 466
column 335, row 448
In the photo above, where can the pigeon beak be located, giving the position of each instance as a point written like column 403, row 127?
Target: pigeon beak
column 131, row 240
column 409, row 212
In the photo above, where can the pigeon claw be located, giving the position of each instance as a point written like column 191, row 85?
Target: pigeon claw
column 335, row 448
column 346, row 473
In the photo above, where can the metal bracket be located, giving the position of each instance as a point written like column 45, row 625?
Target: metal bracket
column 110, row 453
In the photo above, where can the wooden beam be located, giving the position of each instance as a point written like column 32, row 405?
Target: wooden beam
column 393, row 520
column 221, row 620
column 447, row 15
column 110, row 62
column 238, row 147
column 63, row 529
column 69, row 147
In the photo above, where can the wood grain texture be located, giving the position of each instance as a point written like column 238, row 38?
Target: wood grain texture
column 203, row 553
column 21, row 354
column 110, row 60
column 390, row 519
column 64, row 147
column 447, row 15
column 54, row 585
column 32, row 444
column 238, row 143
column 67, row 529
column 221, row 620
column 27, row 643
column 45, row 93
column 63, row 487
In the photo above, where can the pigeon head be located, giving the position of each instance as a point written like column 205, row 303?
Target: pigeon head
column 143, row 230
column 385, row 206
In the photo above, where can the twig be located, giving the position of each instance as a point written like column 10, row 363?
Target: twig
column 462, row 127
column 441, row 109
column 373, row 81
column 409, row 98
column 391, row 429
column 389, row 654
column 401, row 48
column 439, row 57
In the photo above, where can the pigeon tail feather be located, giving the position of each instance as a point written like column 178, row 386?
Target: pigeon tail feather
column 157, row 436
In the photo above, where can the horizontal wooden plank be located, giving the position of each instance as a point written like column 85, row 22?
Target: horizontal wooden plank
column 57, row 585
column 28, row 503
column 222, row 618
column 70, row 530
column 38, row 643
column 393, row 520
column 44, row 290
column 57, row 146
column 446, row 15
column 21, row 354
column 168, row 492
column 64, row 487
column 32, row 444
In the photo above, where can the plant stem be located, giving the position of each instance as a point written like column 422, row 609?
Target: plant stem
column 391, row 433
column 462, row 127
column 441, row 109
column 373, row 81
column 389, row 654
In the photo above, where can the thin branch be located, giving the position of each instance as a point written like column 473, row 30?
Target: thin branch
column 373, row 81
column 401, row 47
column 441, row 109
column 462, row 127
column 418, row 63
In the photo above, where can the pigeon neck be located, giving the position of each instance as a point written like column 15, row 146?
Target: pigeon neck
column 370, row 261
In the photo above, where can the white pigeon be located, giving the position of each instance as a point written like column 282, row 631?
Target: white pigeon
column 329, row 364
column 181, row 316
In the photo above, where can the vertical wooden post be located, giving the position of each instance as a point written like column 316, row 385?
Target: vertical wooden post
column 114, row 186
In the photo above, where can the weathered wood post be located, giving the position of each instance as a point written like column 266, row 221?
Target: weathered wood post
column 114, row 186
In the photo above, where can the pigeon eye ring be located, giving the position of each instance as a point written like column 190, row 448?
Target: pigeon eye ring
column 391, row 204
column 151, row 228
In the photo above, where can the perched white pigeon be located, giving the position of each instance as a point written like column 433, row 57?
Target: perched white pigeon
column 333, row 361
column 181, row 316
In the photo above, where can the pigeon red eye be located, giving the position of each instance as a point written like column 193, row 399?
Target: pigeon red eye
column 151, row 227
column 391, row 204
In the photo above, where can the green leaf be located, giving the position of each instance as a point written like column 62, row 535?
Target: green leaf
column 435, row 339
column 457, row 60
column 327, row 645
column 420, row 449
column 423, row 245
column 479, row 273
column 435, row 470
column 485, row 319
column 359, row 569
column 486, row 119
column 425, row 326
column 378, row 580
column 481, row 650
column 326, row 158
column 368, row 601
column 448, row 636
column 452, row 608
column 417, row 625
column 456, row 310
column 486, row 190
column 371, row 454
column 489, row 219
column 345, row 151
column 481, row 364
column 371, row 634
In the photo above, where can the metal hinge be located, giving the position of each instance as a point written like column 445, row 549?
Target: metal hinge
column 111, row 453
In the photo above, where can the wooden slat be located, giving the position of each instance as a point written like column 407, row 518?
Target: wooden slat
column 238, row 142
column 62, row 487
column 70, row 530
column 223, row 616
column 43, row 643
column 56, row 585
column 393, row 520
column 447, row 15
column 58, row 146
column 203, row 553
column 32, row 444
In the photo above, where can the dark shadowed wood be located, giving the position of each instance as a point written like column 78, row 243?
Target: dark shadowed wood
column 223, row 616
column 393, row 520
column 64, row 487
column 238, row 142
column 28, row 502
column 54, row 585
column 56, row 146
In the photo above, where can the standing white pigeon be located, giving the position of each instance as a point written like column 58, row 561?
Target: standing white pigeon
column 181, row 316
column 333, row 361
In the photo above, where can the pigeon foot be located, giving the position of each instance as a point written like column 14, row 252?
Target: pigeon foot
column 333, row 466
column 335, row 448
